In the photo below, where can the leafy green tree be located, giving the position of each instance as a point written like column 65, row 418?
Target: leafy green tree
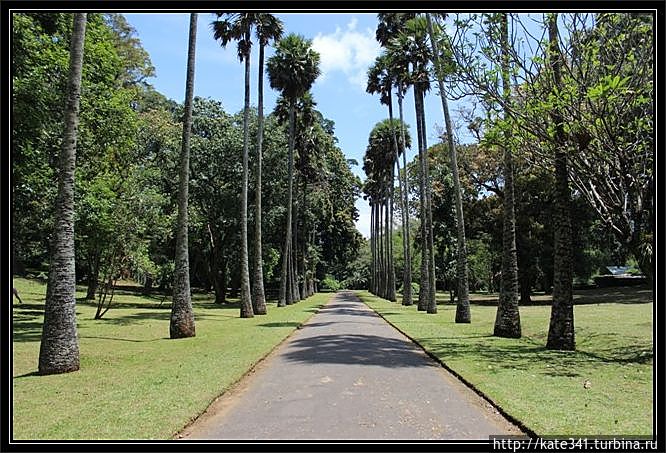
column 59, row 347
column 215, row 188
column 607, row 98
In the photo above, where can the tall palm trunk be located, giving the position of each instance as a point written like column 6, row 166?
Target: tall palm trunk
column 424, row 286
column 380, row 247
column 373, row 263
column 407, row 283
column 390, row 272
column 59, row 347
column 507, row 319
column 431, row 306
column 390, row 237
column 304, row 243
column 286, row 258
column 246, row 296
column 258, row 293
column 382, row 225
column 394, row 160
column 375, row 282
column 463, row 314
column 561, row 329
column 294, row 258
column 182, row 317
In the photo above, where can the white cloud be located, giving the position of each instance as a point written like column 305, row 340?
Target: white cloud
column 349, row 51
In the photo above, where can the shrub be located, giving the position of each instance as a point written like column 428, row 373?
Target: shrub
column 330, row 282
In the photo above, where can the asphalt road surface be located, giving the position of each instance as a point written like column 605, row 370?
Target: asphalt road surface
column 348, row 375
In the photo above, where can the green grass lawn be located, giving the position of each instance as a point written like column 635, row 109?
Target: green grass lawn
column 134, row 382
column 541, row 388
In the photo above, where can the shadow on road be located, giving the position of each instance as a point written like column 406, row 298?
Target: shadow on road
column 358, row 349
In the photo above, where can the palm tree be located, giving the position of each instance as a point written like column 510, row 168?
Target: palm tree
column 59, row 348
column 380, row 81
column 463, row 314
column 182, row 317
column 388, row 27
column 292, row 70
column 238, row 27
column 561, row 329
column 267, row 28
column 411, row 45
column 378, row 163
column 507, row 319
column 306, row 147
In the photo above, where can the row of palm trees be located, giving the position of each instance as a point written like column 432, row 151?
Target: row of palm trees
column 411, row 43
column 405, row 63
column 292, row 71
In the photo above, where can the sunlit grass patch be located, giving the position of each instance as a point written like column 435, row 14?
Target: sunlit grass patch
column 546, row 389
column 134, row 382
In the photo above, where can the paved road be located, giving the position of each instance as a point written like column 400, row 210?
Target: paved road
column 348, row 375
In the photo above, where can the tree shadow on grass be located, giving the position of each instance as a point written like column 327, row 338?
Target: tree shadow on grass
column 25, row 375
column 123, row 339
column 356, row 350
column 26, row 331
column 527, row 354
column 280, row 324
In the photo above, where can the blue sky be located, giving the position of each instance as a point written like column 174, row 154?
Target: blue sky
column 346, row 43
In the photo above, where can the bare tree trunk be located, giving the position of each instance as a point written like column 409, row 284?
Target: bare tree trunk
column 424, row 286
column 246, row 310
column 407, row 284
column 561, row 329
column 294, row 260
column 282, row 301
column 373, row 269
column 182, row 316
column 431, row 305
column 258, row 292
column 391, row 288
column 59, row 347
column 387, row 250
column 463, row 314
column 304, row 244
column 507, row 319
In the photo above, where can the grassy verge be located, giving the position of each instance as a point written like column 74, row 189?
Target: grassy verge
column 134, row 382
column 541, row 388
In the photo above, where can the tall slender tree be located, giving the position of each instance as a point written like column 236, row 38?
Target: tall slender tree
column 292, row 70
column 182, row 316
column 267, row 28
column 238, row 27
column 561, row 329
column 59, row 348
column 463, row 314
column 380, row 81
column 507, row 319
column 411, row 44
column 388, row 27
